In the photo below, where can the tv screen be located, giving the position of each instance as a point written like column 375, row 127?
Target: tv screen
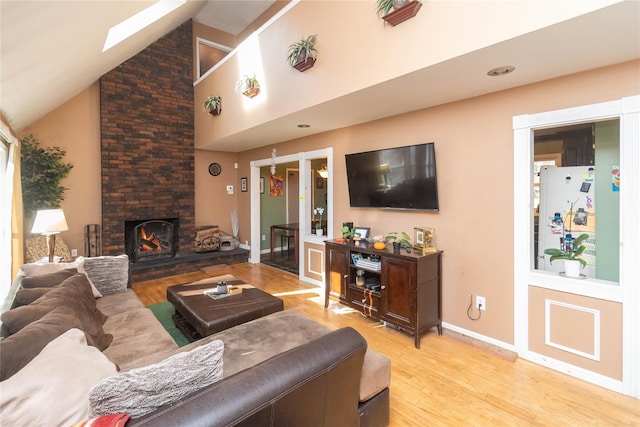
column 394, row 178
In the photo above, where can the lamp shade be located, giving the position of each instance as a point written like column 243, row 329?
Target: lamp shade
column 49, row 221
column 323, row 171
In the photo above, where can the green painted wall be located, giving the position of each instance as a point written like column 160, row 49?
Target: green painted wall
column 607, row 201
column 272, row 209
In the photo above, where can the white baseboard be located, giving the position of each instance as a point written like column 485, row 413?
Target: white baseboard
column 478, row 336
column 574, row 371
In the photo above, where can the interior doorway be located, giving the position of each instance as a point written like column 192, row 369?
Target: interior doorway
column 308, row 187
column 293, row 195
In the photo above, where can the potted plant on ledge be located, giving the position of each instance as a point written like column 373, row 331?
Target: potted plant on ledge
column 213, row 105
column 571, row 256
column 302, row 54
column 399, row 240
column 403, row 10
column 248, row 86
column 318, row 211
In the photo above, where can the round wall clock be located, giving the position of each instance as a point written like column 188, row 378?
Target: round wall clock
column 215, row 169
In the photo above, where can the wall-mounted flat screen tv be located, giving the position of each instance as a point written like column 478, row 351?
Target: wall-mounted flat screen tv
column 394, row 178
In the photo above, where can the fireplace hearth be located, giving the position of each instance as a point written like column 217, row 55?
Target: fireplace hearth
column 151, row 239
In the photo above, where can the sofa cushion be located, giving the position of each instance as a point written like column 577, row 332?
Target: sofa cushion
column 48, row 280
column 376, row 375
column 75, row 294
column 110, row 274
column 37, row 269
column 21, row 347
column 119, row 303
column 27, row 296
column 156, row 385
column 53, row 388
column 136, row 334
column 253, row 342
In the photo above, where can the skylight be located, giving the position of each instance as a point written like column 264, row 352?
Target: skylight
column 139, row 21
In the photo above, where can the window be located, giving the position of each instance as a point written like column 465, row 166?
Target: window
column 576, row 191
column 209, row 54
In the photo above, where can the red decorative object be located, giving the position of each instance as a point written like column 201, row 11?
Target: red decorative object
column 405, row 12
column 305, row 65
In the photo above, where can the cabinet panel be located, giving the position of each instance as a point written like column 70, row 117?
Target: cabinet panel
column 398, row 295
column 337, row 273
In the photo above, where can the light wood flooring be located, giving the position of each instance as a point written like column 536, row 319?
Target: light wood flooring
column 445, row 382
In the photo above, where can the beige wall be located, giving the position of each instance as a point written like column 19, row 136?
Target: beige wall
column 475, row 166
column 213, row 204
column 474, row 150
column 75, row 127
column 355, row 53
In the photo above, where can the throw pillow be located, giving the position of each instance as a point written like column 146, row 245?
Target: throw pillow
column 27, row 296
column 53, row 388
column 21, row 347
column 109, row 274
column 36, row 269
column 48, row 280
column 142, row 390
column 74, row 294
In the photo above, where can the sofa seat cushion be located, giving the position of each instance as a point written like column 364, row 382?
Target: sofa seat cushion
column 136, row 334
column 119, row 303
column 376, row 375
column 253, row 342
column 53, row 388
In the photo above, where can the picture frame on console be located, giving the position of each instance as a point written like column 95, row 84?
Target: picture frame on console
column 363, row 232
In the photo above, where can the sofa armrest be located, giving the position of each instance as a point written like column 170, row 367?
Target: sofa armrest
column 314, row 384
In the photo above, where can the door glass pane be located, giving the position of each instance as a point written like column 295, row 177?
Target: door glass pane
column 575, row 191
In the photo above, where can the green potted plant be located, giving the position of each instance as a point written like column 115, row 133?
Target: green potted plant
column 399, row 240
column 248, row 85
column 318, row 211
column 347, row 233
column 302, row 54
column 213, row 105
column 403, row 10
column 571, row 257
column 42, row 171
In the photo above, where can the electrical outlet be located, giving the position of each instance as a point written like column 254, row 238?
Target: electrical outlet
column 264, row 237
column 74, row 252
column 481, row 303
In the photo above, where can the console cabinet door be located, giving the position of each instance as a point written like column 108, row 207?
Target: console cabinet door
column 398, row 295
column 337, row 272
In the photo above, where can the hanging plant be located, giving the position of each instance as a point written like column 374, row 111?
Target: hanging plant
column 213, row 105
column 42, row 170
column 302, row 54
column 248, row 86
column 403, row 10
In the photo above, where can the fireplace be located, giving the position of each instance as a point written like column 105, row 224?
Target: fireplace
column 151, row 239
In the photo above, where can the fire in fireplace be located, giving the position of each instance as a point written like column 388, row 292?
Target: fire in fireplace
column 151, row 239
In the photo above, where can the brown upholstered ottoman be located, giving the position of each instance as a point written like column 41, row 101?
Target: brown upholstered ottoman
column 198, row 315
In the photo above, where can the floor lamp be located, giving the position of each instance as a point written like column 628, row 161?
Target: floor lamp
column 50, row 222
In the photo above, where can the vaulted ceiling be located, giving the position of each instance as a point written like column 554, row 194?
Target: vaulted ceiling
column 52, row 50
